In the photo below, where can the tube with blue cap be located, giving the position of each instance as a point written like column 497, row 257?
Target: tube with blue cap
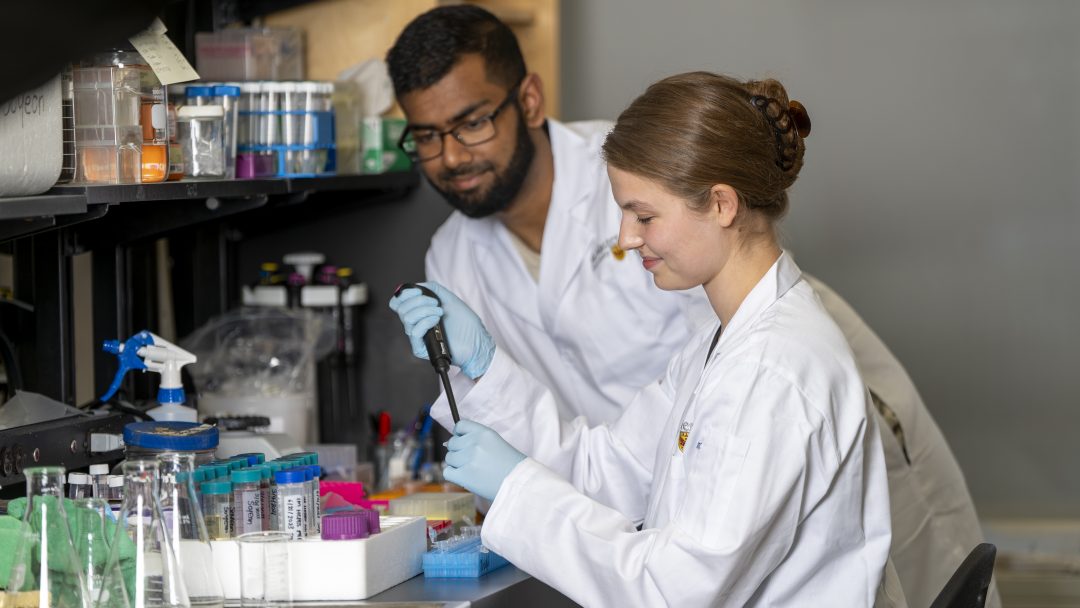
column 148, row 351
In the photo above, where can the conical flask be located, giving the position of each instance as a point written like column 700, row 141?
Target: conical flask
column 92, row 531
column 187, row 530
column 155, row 581
column 45, row 569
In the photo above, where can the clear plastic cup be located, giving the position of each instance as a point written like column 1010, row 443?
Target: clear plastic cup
column 265, row 569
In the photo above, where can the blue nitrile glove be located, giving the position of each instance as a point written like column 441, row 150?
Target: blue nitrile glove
column 471, row 346
column 479, row 459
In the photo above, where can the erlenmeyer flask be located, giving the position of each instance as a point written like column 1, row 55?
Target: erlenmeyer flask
column 45, row 569
column 187, row 530
column 91, row 523
column 156, row 581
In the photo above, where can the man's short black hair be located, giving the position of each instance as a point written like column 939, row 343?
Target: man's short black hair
column 434, row 42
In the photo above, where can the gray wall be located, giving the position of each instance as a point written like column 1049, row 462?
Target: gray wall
column 939, row 193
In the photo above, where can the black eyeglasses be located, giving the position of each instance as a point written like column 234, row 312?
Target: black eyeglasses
column 426, row 144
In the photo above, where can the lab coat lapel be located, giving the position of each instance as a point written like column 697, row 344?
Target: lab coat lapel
column 505, row 277
column 568, row 237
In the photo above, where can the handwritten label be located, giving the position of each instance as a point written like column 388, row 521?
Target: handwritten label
column 168, row 63
column 28, row 104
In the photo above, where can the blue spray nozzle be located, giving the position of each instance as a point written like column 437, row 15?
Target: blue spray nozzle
column 128, row 353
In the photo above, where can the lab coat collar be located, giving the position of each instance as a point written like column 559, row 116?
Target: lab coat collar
column 569, row 235
column 781, row 276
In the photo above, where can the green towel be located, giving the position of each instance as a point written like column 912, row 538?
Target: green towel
column 88, row 537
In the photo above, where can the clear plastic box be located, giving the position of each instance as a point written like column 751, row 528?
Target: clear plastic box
column 250, row 54
column 454, row 506
column 107, row 133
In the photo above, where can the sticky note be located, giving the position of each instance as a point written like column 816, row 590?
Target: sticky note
column 168, row 63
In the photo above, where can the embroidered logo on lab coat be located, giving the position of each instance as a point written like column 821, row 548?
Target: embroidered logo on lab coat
column 684, row 433
column 602, row 249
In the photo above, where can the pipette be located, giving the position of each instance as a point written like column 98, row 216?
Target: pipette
column 438, row 349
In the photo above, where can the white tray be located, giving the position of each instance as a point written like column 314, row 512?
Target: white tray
column 334, row 570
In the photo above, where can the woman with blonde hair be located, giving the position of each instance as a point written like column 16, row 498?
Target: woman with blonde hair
column 752, row 472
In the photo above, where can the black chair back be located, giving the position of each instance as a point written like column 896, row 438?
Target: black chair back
column 969, row 584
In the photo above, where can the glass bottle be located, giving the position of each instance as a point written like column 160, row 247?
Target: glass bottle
column 156, row 581
column 44, row 561
column 187, row 529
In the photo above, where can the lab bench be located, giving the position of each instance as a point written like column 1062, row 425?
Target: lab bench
column 507, row 586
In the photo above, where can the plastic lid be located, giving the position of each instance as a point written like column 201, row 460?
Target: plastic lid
column 265, row 470
column 198, row 475
column 225, row 90
column 252, row 458
column 246, row 475
column 251, row 87
column 78, row 479
column 116, row 481
column 216, row 487
column 289, row 476
column 193, row 112
column 345, row 526
column 99, row 469
column 199, row 91
column 172, row 436
column 316, row 471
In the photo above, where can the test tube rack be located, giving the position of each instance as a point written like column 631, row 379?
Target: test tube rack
column 339, row 570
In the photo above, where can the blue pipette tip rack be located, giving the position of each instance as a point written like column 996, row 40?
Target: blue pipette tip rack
column 461, row 557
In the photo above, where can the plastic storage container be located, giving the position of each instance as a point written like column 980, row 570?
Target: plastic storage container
column 250, row 54
column 146, row 440
column 107, row 134
column 455, row 506
column 202, row 140
column 153, row 113
column 228, row 97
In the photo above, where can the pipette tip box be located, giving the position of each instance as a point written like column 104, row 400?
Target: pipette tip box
column 461, row 558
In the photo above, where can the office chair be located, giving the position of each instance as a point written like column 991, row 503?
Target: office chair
column 969, row 584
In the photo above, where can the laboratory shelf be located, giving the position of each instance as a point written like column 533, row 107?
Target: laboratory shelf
column 113, row 194
column 71, row 204
column 24, row 207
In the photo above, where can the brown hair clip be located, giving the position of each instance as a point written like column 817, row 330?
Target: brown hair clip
column 798, row 114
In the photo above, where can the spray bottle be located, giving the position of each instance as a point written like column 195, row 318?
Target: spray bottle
column 147, row 351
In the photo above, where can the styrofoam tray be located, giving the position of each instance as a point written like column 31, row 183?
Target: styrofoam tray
column 332, row 570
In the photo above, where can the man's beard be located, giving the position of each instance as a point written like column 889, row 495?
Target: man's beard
column 507, row 184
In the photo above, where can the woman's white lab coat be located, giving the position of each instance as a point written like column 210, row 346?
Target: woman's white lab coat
column 757, row 475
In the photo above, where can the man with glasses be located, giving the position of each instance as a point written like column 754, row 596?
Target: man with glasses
column 532, row 250
column 587, row 321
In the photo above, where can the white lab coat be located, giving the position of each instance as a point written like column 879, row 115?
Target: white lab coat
column 934, row 520
column 758, row 475
column 596, row 330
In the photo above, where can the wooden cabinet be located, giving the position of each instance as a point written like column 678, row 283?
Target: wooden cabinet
column 341, row 33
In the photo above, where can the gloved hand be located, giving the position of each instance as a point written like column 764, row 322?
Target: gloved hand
column 479, row 459
column 471, row 346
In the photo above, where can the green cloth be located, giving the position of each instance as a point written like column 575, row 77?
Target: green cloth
column 92, row 542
